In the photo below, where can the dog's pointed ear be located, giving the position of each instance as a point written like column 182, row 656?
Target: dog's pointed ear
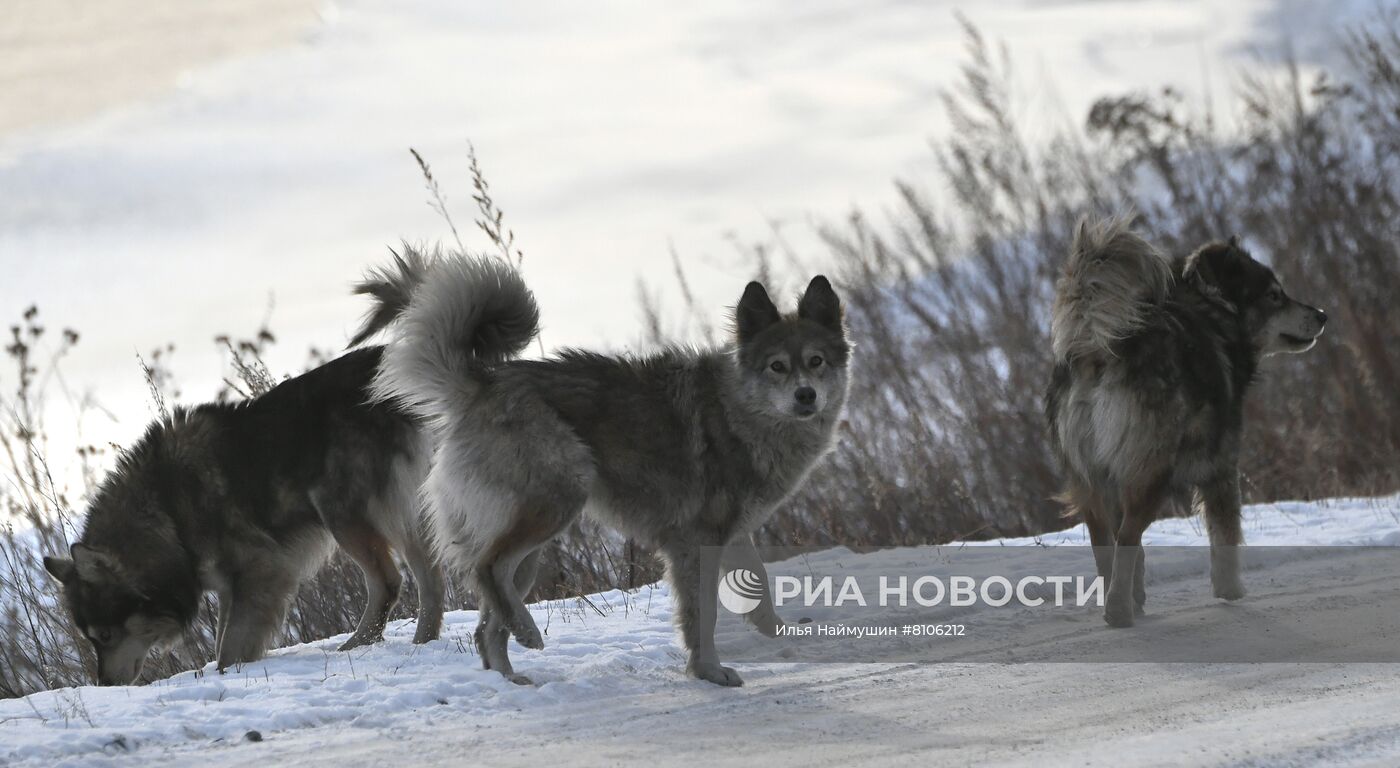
column 1216, row 270
column 820, row 304
column 61, row 568
column 754, row 313
column 1214, row 264
column 91, row 564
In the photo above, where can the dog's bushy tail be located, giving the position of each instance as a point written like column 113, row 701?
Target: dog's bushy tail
column 391, row 288
column 450, row 317
column 1112, row 278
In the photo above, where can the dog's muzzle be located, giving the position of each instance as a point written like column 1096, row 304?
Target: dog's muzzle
column 806, row 398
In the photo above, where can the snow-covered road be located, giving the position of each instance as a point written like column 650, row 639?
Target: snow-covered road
column 978, row 714
column 611, row 689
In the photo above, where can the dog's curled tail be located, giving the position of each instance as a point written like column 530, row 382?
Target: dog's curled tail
column 1112, row 278
column 449, row 318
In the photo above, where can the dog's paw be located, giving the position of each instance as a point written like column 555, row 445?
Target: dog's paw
column 1230, row 590
column 769, row 625
column 1118, row 616
column 529, row 637
column 517, row 678
column 357, row 641
column 716, row 673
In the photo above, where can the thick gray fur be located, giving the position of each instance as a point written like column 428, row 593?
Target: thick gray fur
column 685, row 450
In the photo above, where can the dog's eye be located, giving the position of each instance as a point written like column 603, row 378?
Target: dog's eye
column 104, row 636
column 1276, row 295
column 815, row 362
column 778, row 366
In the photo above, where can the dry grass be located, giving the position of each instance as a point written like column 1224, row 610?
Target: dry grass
column 949, row 305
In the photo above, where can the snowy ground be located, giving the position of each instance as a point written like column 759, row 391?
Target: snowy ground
column 611, row 691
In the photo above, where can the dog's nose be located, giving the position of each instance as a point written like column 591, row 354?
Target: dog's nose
column 805, row 395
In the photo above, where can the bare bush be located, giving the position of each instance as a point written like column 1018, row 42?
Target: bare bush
column 949, row 304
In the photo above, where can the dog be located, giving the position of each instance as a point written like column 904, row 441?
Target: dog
column 247, row 500
column 1153, row 359
column 686, row 451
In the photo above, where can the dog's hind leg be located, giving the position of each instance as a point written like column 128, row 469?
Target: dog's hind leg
column 1099, row 525
column 694, row 575
column 1140, row 583
column 1220, row 504
column 494, row 574
column 491, row 633
column 1102, row 539
column 370, row 551
column 495, row 582
column 741, row 553
column 1139, row 511
column 431, row 589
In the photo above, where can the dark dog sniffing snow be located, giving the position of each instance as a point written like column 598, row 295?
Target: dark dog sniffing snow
column 1153, row 357
column 686, row 451
column 246, row 501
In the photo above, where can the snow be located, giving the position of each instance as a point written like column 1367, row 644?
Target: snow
column 1351, row 522
column 610, row 685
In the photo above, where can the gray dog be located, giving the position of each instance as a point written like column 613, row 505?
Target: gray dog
column 1153, row 357
column 686, row 451
column 246, row 501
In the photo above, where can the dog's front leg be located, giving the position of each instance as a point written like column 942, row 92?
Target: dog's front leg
column 1220, row 505
column 694, row 575
column 225, row 607
column 741, row 553
column 254, row 616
